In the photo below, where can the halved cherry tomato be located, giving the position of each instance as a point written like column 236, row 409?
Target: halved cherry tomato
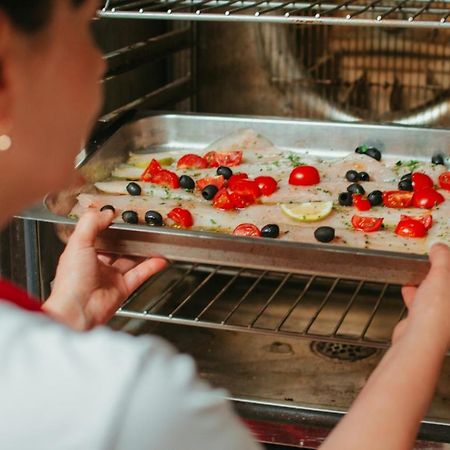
column 235, row 177
column 191, row 161
column 444, row 181
column 427, row 198
column 410, row 228
column 426, row 219
column 361, row 203
column 245, row 188
column 367, row 224
column 182, row 217
column 267, row 185
column 398, row 199
column 247, row 229
column 241, row 201
column 421, row 181
column 228, row 159
column 304, row 176
column 217, row 181
column 166, row 178
column 153, row 168
column 222, row 200
column 210, row 158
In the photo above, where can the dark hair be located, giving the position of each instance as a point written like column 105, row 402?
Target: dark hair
column 30, row 15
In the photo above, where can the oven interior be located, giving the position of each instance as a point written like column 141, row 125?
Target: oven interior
column 293, row 350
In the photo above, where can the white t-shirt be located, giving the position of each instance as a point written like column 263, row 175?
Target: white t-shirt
column 104, row 390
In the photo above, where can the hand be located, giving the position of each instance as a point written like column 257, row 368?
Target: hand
column 89, row 287
column 429, row 304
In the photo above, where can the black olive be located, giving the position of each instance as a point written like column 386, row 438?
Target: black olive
column 375, row 198
column 324, row 234
column 352, row 176
column 209, row 191
column 407, row 176
column 438, row 159
column 226, row 172
column 405, row 185
column 130, row 217
column 111, row 207
column 364, row 176
column 187, row 182
column 133, row 189
column 356, row 188
column 153, row 218
column 345, row 199
column 270, row 231
column 373, row 153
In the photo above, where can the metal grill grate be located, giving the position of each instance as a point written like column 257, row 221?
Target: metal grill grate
column 389, row 13
column 274, row 303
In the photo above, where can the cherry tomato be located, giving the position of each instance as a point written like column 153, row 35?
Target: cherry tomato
column 367, row 224
column 229, row 159
column 267, row 185
column 426, row 219
column 191, row 161
column 361, row 203
column 410, row 228
column 235, row 177
column 245, row 188
column 217, row 181
column 247, row 229
column 222, row 200
column 241, row 201
column 182, row 217
column 166, row 178
column 421, row 181
column 444, row 181
column 398, row 199
column 304, row 176
column 153, row 168
column 427, row 198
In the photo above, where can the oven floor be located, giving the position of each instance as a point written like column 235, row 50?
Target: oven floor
column 282, row 371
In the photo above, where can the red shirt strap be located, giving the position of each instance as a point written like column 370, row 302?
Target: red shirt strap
column 18, row 296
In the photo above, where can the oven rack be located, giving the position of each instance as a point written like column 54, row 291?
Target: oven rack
column 272, row 303
column 385, row 13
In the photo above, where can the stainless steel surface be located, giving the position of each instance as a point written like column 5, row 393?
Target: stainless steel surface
column 379, row 13
column 270, row 303
column 282, row 381
column 194, row 132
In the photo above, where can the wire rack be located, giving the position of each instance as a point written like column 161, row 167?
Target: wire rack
column 280, row 304
column 388, row 13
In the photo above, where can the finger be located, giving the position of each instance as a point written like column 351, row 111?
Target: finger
column 136, row 276
column 440, row 257
column 124, row 264
column 88, row 227
column 409, row 293
column 106, row 258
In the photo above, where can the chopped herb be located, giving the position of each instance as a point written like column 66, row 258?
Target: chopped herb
column 295, row 159
column 213, row 222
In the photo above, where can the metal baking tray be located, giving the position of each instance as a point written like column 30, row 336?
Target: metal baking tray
column 195, row 132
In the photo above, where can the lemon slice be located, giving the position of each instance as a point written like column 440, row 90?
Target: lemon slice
column 307, row 212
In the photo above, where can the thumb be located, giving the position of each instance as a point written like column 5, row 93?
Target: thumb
column 88, row 227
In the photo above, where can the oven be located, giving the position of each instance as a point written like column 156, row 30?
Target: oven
column 292, row 342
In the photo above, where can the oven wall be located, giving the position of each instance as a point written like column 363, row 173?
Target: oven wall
column 324, row 72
